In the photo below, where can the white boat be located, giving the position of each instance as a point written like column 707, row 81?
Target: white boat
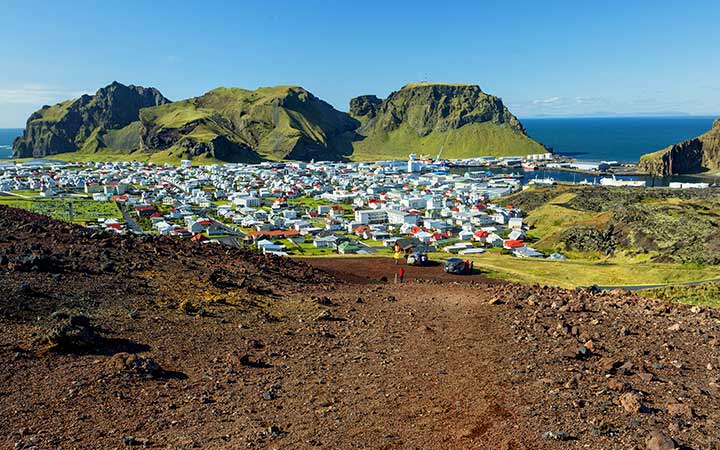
column 543, row 181
column 622, row 183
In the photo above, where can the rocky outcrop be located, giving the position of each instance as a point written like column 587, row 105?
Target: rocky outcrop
column 460, row 119
column 695, row 155
column 427, row 107
column 365, row 106
column 67, row 126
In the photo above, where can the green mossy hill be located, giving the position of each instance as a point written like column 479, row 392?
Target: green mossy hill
column 231, row 124
column 89, row 122
column 696, row 155
column 460, row 119
column 275, row 123
column 658, row 224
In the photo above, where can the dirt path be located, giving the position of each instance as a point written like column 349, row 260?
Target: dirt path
column 373, row 270
column 153, row 342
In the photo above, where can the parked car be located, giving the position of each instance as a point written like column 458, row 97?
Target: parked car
column 455, row 265
column 417, row 259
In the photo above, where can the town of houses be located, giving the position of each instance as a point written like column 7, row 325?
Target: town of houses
column 294, row 208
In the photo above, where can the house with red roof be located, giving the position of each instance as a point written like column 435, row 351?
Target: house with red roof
column 144, row 210
column 513, row 243
column 480, row 236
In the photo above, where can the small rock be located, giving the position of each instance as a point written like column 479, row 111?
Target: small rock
column 646, row 376
column 630, row 401
column 680, row 410
column 617, row 385
column 274, row 431
column 626, row 368
column 675, row 327
column 608, row 365
column 133, row 364
column 659, row 441
column 555, row 436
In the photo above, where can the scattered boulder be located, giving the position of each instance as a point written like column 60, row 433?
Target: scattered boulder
column 70, row 333
column 131, row 364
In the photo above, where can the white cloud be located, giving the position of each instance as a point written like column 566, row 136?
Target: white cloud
column 36, row 94
column 547, row 101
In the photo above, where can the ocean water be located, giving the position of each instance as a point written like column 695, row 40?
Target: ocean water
column 621, row 139
column 7, row 136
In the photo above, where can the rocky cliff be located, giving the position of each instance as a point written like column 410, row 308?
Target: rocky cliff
column 87, row 122
column 696, row 155
column 458, row 119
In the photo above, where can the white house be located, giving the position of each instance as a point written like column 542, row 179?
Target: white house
column 494, row 240
column 515, row 223
column 397, row 217
column 369, row 216
column 325, row 241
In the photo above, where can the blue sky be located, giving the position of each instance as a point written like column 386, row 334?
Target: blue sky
column 558, row 58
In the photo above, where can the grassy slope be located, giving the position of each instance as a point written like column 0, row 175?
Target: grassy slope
column 84, row 210
column 163, row 157
column 705, row 294
column 574, row 273
column 550, row 220
column 471, row 140
column 54, row 112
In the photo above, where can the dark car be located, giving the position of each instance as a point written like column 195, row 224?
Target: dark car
column 455, row 265
column 417, row 259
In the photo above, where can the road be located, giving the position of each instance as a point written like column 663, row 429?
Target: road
column 658, row 286
column 132, row 225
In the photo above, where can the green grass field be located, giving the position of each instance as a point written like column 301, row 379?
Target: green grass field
column 468, row 141
column 84, row 211
column 574, row 273
column 163, row 157
column 705, row 295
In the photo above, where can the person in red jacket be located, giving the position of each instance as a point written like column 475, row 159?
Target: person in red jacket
column 401, row 274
